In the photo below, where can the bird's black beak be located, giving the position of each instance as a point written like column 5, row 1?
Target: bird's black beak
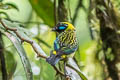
column 54, row 29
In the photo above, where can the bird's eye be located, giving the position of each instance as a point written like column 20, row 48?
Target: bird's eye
column 62, row 27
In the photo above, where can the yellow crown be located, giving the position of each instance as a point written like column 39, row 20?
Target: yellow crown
column 70, row 26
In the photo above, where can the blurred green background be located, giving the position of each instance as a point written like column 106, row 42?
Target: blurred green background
column 37, row 16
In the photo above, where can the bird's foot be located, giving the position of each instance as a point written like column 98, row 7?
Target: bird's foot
column 69, row 75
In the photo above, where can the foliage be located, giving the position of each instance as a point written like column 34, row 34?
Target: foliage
column 44, row 9
column 6, row 6
column 28, row 38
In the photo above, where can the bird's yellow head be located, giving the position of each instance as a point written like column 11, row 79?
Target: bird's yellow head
column 62, row 26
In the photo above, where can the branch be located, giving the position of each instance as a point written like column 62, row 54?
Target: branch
column 7, row 28
column 62, row 11
column 58, row 72
column 35, row 46
column 79, row 72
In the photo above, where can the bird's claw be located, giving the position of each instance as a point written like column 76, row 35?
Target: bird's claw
column 68, row 74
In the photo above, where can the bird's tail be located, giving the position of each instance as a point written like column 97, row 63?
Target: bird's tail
column 53, row 59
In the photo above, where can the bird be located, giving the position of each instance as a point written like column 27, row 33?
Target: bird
column 65, row 43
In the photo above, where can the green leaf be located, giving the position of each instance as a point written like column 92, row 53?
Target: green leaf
column 11, row 5
column 10, row 60
column 42, row 41
column 1, row 0
column 102, row 8
column 82, row 75
column 22, row 31
column 23, row 34
column 9, row 24
column 4, row 13
column 17, row 43
column 100, row 55
column 1, row 28
column 22, row 54
column 45, row 10
column 8, row 5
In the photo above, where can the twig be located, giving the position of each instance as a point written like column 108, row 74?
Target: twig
column 7, row 28
column 35, row 46
column 58, row 71
column 38, row 52
column 62, row 11
column 79, row 72
column 72, row 67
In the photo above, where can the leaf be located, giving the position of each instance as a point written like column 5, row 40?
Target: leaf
column 17, row 43
column 22, row 31
column 82, row 75
column 45, row 10
column 23, row 34
column 4, row 13
column 72, row 64
column 9, row 5
column 10, row 24
column 10, row 60
column 102, row 8
column 12, row 5
column 22, row 54
column 1, row 0
column 100, row 55
column 1, row 28
column 42, row 41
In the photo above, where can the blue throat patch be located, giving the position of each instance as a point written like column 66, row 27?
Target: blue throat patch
column 62, row 27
